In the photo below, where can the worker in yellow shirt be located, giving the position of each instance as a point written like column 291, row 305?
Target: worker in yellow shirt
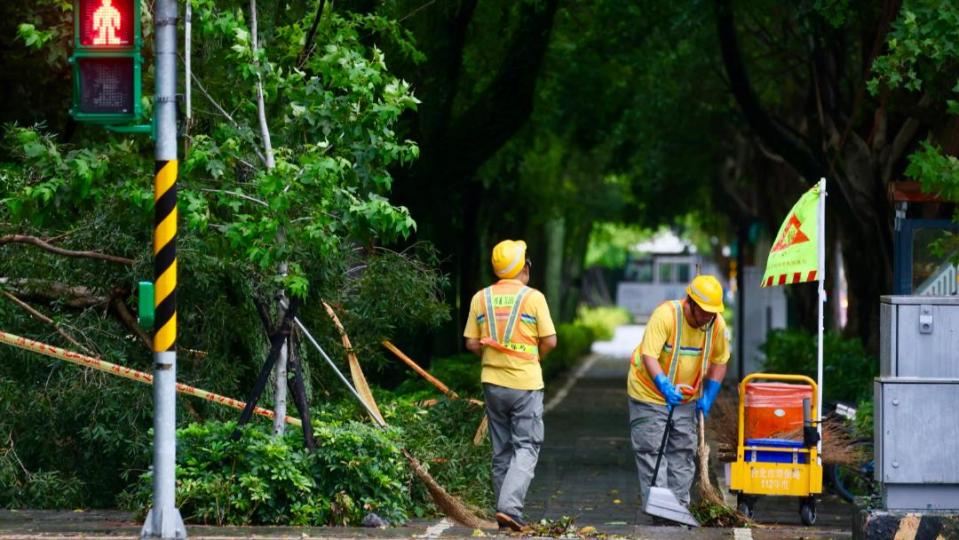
column 679, row 364
column 510, row 328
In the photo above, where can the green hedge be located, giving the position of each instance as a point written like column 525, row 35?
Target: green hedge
column 602, row 320
column 462, row 372
column 848, row 371
column 574, row 341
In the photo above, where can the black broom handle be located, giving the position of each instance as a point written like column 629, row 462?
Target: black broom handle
column 662, row 445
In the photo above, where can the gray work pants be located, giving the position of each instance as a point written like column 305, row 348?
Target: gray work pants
column 516, row 430
column 647, row 423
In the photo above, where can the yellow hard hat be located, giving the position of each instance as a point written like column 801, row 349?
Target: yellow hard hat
column 707, row 293
column 509, row 258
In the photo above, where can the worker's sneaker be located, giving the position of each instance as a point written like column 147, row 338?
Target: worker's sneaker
column 507, row 521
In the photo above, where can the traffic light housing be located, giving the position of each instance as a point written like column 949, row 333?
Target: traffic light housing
column 106, row 61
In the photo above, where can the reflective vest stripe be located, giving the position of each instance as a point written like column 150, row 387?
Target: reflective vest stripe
column 505, row 343
column 677, row 340
column 707, row 346
column 490, row 314
column 513, row 315
column 673, row 366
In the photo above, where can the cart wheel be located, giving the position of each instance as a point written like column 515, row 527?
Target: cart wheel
column 744, row 504
column 807, row 510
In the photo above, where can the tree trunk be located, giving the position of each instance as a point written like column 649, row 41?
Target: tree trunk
column 555, row 232
column 856, row 178
column 279, row 390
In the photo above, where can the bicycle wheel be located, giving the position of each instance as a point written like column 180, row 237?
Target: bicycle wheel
column 837, row 475
column 850, row 483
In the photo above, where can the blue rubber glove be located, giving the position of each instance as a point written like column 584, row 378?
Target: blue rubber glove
column 710, row 391
column 670, row 394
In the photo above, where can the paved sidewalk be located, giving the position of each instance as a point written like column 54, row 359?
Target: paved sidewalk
column 586, row 468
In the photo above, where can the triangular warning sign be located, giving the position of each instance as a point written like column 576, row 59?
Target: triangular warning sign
column 791, row 235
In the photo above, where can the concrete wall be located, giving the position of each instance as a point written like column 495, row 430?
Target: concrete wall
column 764, row 309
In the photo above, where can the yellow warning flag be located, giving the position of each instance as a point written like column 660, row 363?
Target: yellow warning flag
column 794, row 257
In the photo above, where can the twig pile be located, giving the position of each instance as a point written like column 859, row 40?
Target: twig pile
column 838, row 447
column 711, row 509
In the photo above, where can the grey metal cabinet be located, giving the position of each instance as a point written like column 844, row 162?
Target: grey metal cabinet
column 919, row 336
column 917, row 436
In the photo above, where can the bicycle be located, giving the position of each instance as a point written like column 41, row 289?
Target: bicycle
column 855, row 481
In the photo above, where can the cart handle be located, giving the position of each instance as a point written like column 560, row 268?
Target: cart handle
column 777, row 449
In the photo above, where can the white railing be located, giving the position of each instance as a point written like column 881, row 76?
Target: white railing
column 942, row 283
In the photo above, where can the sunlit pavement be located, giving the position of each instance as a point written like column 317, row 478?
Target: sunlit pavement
column 585, row 471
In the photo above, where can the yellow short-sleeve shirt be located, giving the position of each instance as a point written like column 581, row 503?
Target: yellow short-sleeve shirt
column 658, row 343
column 534, row 322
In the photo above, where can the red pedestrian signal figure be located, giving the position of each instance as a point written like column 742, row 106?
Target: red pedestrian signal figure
column 106, row 61
column 106, row 24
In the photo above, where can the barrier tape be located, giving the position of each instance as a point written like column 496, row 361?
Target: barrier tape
column 127, row 373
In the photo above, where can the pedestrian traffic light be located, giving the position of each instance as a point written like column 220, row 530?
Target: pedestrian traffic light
column 106, row 61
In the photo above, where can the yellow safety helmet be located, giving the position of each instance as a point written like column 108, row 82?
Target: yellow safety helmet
column 707, row 293
column 509, row 258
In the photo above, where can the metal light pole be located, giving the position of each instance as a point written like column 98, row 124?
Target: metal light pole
column 164, row 519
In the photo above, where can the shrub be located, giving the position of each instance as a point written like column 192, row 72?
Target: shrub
column 574, row 341
column 461, row 373
column 602, row 320
column 259, row 480
column 20, row 488
column 441, row 437
column 848, row 371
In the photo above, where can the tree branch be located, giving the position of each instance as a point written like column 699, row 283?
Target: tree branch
column 76, row 296
column 36, row 314
column 308, row 46
column 42, row 244
column 237, row 194
column 225, row 114
column 130, row 321
column 904, row 137
column 773, row 133
column 260, row 104
column 500, row 110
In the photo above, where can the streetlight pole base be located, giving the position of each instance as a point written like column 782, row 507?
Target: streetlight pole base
column 167, row 525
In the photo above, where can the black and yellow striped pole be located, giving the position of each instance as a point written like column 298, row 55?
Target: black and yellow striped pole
column 164, row 253
column 163, row 520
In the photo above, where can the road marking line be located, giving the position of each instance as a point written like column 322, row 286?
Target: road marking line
column 743, row 534
column 561, row 395
column 434, row 531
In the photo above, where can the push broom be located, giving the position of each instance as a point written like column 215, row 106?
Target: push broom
column 660, row 501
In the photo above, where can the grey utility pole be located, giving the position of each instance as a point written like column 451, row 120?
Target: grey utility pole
column 164, row 519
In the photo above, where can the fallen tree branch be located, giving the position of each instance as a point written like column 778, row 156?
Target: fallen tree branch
column 40, row 316
column 77, row 296
column 42, row 244
column 131, row 322
column 226, row 115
